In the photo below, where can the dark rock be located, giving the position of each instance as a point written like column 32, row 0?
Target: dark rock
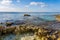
column 27, row 15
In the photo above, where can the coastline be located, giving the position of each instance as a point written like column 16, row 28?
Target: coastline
column 38, row 31
column 41, row 29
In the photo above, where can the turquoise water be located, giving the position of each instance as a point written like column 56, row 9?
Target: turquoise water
column 20, row 15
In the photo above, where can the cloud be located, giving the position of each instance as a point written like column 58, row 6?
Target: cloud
column 6, row 2
column 7, row 6
column 9, row 9
column 34, row 3
column 40, row 4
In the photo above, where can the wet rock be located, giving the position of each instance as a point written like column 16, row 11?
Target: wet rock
column 8, row 30
column 9, row 23
column 27, row 15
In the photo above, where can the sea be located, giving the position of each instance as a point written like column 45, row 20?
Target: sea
column 20, row 15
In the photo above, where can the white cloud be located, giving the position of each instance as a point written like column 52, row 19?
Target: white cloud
column 7, row 9
column 7, row 6
column 40, row 4
column 6, row 2
column 34, row 3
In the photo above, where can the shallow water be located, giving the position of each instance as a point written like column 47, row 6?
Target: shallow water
column 8, row 37
column 20, row 15
column 15, row 37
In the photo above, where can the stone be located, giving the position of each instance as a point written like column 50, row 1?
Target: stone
column 58, row 38
column 8, row 23
column 27, row 15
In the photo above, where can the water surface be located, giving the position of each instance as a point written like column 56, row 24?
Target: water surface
column 19, row 15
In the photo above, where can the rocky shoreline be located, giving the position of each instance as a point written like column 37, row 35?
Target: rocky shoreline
column 45, row 30
column 40, row 33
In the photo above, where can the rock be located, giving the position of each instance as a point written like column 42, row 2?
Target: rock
column 9, row 23
column 56, row 32
column 27, row 15
column 8, row 30
column 44, row 38
column 58, row 17
column 53, row 37
column 40, row 33
column 28, row 38
column 58, row 38
column 1, row 28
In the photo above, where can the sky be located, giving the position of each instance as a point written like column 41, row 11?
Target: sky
column 29, row 5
